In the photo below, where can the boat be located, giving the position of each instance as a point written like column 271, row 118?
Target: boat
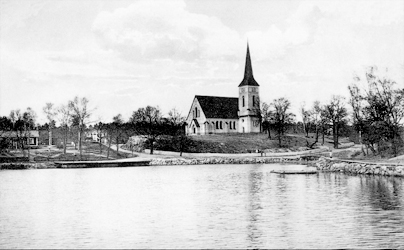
column 294, row 171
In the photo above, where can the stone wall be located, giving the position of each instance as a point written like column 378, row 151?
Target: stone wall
column 359, row 167
column 222, row 160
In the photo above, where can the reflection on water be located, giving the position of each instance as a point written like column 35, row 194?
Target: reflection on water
column 210, row 206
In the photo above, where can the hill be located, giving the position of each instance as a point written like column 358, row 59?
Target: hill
column 240, row 143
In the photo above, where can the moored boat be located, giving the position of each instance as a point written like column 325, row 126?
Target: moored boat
column 294, row 171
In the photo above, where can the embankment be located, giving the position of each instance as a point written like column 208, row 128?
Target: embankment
column 357, row 167
column 26, row 165
column 223, row 160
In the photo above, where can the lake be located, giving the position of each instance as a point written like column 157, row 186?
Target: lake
column 207, row 206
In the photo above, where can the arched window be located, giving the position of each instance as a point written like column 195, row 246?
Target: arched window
column 253, row 100
column 221, row 125
column 234, row 125
column 243, row 102
column 230, row 124
column 217, row 124
column 196, row 112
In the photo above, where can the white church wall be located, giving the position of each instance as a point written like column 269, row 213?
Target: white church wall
column 221, row 126
column 195, row 112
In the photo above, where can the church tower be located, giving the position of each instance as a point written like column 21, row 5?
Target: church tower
column 248, row 102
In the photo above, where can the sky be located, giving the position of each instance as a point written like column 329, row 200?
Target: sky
column 123, row 55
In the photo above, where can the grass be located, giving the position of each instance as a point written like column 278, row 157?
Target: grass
column 91, row 151
column 94, row 148
column 245, row 143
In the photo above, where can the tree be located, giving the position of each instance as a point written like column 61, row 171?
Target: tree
column 378, row 113
column 29, row 117
column 22, row 124
column 281, row 117
column 264, row 114
column 109, row 128
column 5, row 128
column 336, row 112
column 81, row 114
column 64, row 116
column 117, row 129
column 149, row 123
column 50, row 113
column 175, row 117
column 306, row 116
column 318, row 120
column 101, row 133
column 176, row 128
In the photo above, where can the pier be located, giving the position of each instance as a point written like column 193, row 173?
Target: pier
column 99, row 164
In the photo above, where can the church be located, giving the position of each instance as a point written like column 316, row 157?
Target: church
column 215, row 115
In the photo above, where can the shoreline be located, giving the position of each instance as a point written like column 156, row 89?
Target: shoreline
column 357, row 167
column 322, row 164
column 168, row 162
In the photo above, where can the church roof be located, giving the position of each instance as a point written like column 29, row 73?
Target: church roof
column 219, row 107
column 248, row 79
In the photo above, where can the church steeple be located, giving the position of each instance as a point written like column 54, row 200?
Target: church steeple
column 248, row 79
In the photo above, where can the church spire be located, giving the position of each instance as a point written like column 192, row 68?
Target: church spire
column 248, row 69
column 248, row 72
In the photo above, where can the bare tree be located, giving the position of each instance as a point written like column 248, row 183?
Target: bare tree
column 81, row 113
column 336, row 112
column 176, row 128
column 378, row 113
column 306, row 116
column 318, row 120
column 281, row 117
column 50, row 113
column 110, row 135
column 64, row 117
column 262, row 111
column 117, row 129
column 175, row 117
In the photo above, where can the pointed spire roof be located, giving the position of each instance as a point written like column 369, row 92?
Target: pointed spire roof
column 248, row 72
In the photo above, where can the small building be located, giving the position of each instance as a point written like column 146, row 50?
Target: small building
column 30, row 138
column 213, row 114
column 96, row 136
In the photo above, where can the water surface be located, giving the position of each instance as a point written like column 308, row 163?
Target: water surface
column 208, row 206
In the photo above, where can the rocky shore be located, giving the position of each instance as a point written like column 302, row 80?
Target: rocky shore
column 202, row 161
column 353, row 167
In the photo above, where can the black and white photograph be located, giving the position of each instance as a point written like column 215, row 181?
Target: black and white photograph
column 201, row 124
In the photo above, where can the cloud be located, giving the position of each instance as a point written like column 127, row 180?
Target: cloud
column 11, row 19
column 375, row 13
column 150, row 30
